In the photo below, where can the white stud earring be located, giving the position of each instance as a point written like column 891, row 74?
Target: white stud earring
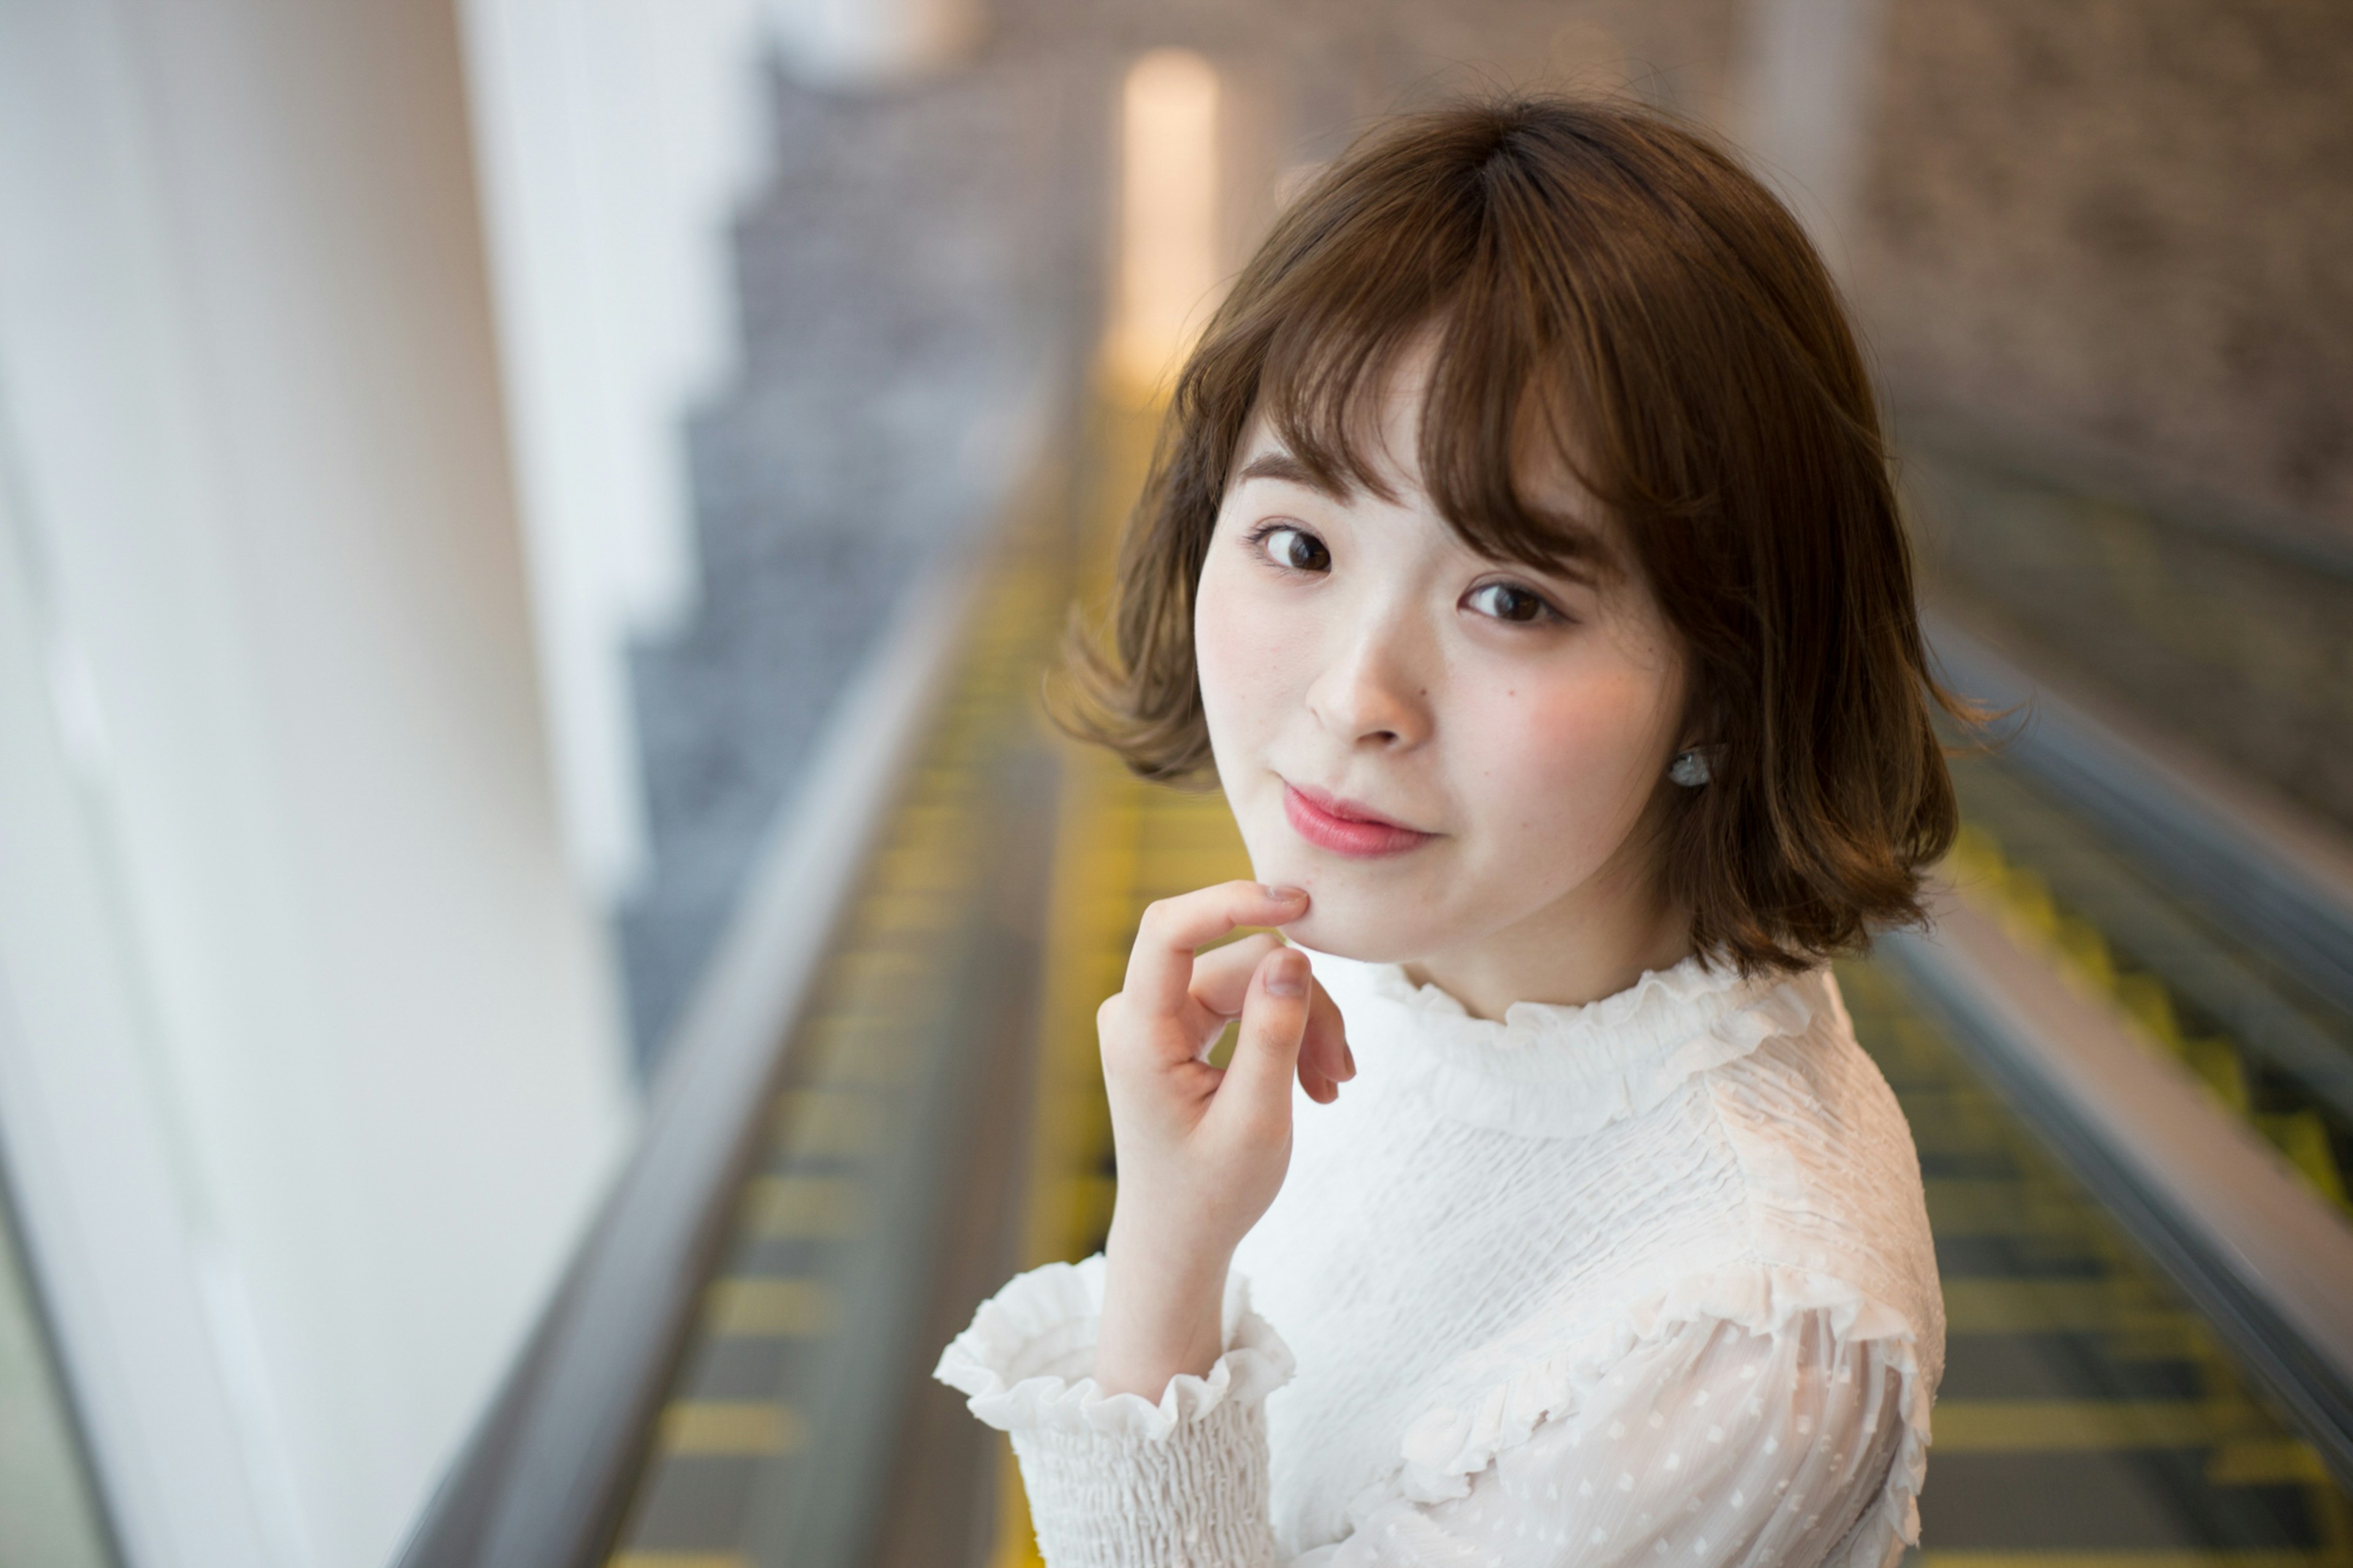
column 1693, row 767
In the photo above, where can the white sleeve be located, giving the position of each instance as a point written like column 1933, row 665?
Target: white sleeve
column 1118, row 1481
column 1708, row 1445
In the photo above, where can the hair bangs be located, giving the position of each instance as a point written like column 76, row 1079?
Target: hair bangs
column 1507, row 451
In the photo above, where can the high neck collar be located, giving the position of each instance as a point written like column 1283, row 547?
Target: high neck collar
column 1548, row 1070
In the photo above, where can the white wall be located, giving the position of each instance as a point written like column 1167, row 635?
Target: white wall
column 309, row 1064
column 616, row 138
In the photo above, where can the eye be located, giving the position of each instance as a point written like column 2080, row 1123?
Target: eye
column 1293, row 548
column 1508, row 602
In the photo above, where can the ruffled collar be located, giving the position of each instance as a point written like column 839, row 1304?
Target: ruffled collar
column 1554, row 1072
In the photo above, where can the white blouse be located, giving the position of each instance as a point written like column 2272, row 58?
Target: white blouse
column 1646, row 1281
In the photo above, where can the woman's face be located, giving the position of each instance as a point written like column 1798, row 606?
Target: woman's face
column 1444, row 750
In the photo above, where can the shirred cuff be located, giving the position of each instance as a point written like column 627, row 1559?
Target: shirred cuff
column 1194, row 1498
column 1118, row 1481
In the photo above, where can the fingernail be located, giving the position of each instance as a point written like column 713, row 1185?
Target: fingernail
column 1349, row 1057
column 1286, row 974
column 1283, row 895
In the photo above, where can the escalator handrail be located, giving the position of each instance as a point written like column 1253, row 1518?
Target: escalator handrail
column 2283, row 881
column 2279, row 536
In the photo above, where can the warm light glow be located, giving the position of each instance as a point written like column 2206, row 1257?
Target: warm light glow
column 1170, row 270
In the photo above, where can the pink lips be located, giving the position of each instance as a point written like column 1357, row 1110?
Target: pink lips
column 1344, row 827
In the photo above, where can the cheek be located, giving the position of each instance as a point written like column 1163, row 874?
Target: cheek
column 1572, row 763
column 1244, row 654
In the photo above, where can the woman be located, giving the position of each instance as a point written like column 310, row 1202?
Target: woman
column 1522, row 556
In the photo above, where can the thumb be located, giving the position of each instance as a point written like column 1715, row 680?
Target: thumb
column 1273, row 1022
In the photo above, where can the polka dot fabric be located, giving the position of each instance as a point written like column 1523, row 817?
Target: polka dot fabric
column 1644, row 1281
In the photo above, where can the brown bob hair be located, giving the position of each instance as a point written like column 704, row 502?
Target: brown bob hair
column 1606, row 276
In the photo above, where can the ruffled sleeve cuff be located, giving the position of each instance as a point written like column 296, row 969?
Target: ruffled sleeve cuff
column 1116, row 1481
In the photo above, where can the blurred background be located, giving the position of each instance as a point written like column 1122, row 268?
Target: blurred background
column 547, row 954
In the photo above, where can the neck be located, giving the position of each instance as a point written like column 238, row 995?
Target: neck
column 1594, row 943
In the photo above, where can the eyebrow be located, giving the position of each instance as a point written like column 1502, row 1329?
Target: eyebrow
column 1281, row 465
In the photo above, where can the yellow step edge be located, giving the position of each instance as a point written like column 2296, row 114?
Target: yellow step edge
column 752, row 1309
column 2269, row 1461
column 731, row 1428
column 2000, row 1206
column 818, row 1123
column 2052, row 1306
column 804, row 1208
column 2073, row 1426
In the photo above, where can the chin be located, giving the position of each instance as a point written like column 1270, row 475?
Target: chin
column 1361, row 924
column 1368, row 911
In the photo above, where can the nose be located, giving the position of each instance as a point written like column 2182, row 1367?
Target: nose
column 1376, row 692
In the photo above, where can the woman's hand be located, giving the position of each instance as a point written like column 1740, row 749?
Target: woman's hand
column 1202, row 1151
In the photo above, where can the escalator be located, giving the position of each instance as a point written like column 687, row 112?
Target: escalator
column 2133, row 1381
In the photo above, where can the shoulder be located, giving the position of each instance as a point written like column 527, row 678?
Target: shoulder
column 1827, row 1169
column 1810, row 1072
column 1792, row 1165
column 1797, row 1195
column 1832, row 1250
column 1810, row 1117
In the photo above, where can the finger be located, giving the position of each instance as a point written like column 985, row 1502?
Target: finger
column 1326, row 1049
column 1160, row 965
column 1221, row 976
column 1324, row 1060
column 1266, row 1051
